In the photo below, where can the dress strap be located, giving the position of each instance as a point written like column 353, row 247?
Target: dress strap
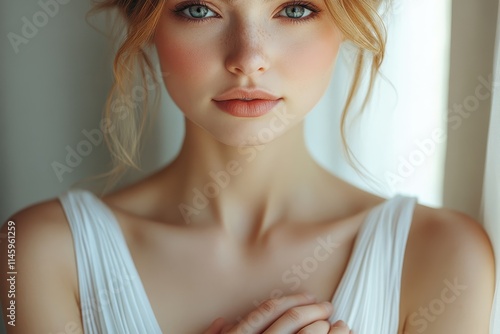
column 112, row 297
column 368, row 295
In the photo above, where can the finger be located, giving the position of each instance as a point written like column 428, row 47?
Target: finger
column 318, row 327
column 340, row 327
column 298, row 317
column 216, row 326
column 269, row 311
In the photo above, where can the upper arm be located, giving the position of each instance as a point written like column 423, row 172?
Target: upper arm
column 38, row 272
column 451, row 265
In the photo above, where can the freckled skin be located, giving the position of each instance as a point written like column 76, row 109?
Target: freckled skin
column 294, row 61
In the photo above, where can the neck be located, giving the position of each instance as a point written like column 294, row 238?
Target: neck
column 245, row 190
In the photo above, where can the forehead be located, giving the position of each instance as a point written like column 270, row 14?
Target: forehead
column 235, row 2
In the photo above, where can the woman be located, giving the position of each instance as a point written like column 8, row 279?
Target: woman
column 230, row 236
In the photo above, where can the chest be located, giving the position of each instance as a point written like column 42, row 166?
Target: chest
column 189, row 283
column 192, row 279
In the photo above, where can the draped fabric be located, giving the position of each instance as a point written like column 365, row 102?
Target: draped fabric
column 113, row 299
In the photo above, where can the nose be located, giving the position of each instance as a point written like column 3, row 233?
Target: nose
column 246, row 50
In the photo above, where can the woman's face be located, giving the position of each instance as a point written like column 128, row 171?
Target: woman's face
column 285, row 48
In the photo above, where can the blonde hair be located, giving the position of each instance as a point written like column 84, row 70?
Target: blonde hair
column 358, row 20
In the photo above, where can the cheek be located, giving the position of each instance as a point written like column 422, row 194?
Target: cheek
column 177, row 60
column 183, row 62
column 309, row 67
column 312, row 60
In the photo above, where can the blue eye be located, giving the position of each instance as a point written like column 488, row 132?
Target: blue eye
column 197, row 12
column 295, row 12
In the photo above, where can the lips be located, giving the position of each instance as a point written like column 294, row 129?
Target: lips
column 252, row 108
column 244, row 102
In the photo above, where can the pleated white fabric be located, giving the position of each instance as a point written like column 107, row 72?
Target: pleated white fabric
column 113, row 299
column 368, row 295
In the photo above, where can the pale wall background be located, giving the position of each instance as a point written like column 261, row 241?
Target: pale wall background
column 472, row 47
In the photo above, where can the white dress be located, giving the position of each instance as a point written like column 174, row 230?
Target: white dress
column 113, row 299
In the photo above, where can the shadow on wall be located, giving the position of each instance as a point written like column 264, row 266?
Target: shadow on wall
column 56, row 74
column 472, row 51
column 54, row 138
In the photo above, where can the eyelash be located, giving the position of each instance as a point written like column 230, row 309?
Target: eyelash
column 185, row 5
column 307, row 5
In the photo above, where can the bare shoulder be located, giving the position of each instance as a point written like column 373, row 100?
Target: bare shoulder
column 42, row 228
column 448, row 274
column 37, row 247
column 47, row 215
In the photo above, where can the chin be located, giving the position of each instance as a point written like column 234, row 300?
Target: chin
column 247, row 132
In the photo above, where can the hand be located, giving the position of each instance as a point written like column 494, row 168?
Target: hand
column 298, row 314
